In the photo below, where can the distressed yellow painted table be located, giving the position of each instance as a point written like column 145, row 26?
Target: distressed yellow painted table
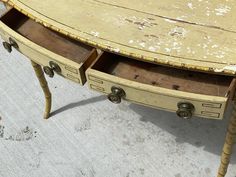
column 172, row 55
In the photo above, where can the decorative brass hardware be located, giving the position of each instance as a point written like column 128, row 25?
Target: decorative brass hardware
column 116, row 95
column 8, row 46
column 50, row 70
column 185, row 110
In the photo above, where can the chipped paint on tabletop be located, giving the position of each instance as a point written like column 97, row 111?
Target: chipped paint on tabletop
column 177, row 41
column 231, row 68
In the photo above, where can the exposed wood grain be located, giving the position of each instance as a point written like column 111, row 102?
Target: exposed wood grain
column 43, row 45
column 166, row 77
column 47, row 38
column 161, row 87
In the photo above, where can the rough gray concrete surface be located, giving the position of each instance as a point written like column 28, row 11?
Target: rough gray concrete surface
column 87, row 136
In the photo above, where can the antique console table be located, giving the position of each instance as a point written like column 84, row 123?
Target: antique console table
column 172, row 55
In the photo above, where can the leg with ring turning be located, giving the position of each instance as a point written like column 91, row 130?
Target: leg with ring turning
column 229, row 143
column 40, row 75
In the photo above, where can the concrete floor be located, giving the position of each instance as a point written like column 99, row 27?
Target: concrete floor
column 87, row 136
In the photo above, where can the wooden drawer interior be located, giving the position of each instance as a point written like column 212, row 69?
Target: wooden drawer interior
column 45, row 37
column 165, row 77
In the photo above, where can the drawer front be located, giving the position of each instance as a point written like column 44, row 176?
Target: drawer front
column 69, row 69
column 56, row 52
column 205, row 106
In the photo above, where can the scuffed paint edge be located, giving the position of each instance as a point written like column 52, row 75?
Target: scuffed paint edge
column 230, row 68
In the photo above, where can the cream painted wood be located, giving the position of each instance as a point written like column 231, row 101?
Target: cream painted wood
column 157, row 97
column 204, row 40
column 201, row 42
column 7, row 6
column 69, row 69
column 217, row 13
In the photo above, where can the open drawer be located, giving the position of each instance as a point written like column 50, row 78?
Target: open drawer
column 187, row 93
column 54, row 51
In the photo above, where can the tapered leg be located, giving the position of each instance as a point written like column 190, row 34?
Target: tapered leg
column 48, row 98
column 229, row 143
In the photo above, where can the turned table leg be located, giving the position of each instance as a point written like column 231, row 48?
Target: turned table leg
column 229, row 143
column 48, row 98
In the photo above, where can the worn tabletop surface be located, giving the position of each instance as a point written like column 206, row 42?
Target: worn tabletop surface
column 192, row 34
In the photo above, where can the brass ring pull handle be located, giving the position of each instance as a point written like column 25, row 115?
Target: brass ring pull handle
column 116, row 95
column 8, row 46
column 50, row 70
column 185, row 110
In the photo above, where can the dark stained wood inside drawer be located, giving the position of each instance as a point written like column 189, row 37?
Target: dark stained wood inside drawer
column 165, row 77
column 47, row 38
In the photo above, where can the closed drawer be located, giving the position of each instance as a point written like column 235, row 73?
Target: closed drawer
column 46, row 47
column 188, row 93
